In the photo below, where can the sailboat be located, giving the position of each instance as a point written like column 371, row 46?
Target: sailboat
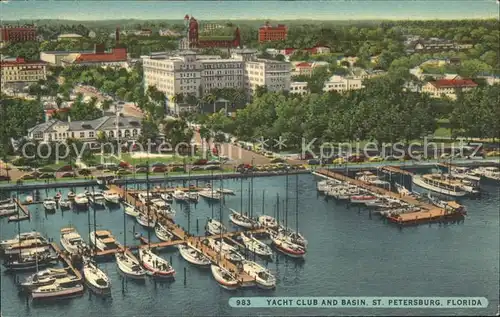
column 242, row 220
column 262, row 276
column 224, row 277
column 95, row 278
column 215, row 227
column 193, row 255
column 228, row 250
column 256, row 246
column 163, row 233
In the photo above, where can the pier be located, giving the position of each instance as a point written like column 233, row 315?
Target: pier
column 395, row 169
column 63, row 256
column 428, row 212
column 22, row 212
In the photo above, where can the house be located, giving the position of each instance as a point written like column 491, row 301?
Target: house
column 299, row 88
column 448, row 87
column 435, row 45
column 342, row 84
column 128, row 128
column 19, row 72
column 306, row 68
column 144, row 32
column 316, row 50
column 268, row 33
column 351, row 60
column 169, row 32
column 117, row 57
column 69, row 37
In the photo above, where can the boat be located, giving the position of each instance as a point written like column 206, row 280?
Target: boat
column 225, row 191
column 129, row 265
column 210, row 194
column 97, row 199
column 439, row 184
column 193, row 197
column 71, row 195
column 111, row 197
column 490, row 172
column 19, row 246
column 224, row 277
column 71, row 241
column 49, row 204
column 65, row 287
column 7, row 213
column 370, row 178
column 363, row 199
column 256, row 246
column 163, row 208
column 96, row 279
column 193, row 255
column 214, row 227
column 43, row 277
column 227, row 250
column 57, row 196
column 65, row 203
column 464, row 173
column 22, row 237
column 29, row 199
column 30, row 259
column 132, row 211
column 261, row 275
column 9, row 206
column 243, row 220
column 146, row 221
column 179, row 195
column 145, row 197
column 18, row 217
column 289, row 248
column 81, row 200
column 268, row 222
column 167, row 197
column 5, row 201
column 436, row 202
column 103, row 240
column 163, row 233
column 155, row 265
column 291, row 235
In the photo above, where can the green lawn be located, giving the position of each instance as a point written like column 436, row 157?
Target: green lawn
column 165, row 159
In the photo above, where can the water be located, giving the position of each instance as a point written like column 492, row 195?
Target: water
column 349, row 254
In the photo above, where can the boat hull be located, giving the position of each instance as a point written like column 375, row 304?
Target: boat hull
column 224, row 283
column 419, row 182
column 183, row 250
column 66, row 293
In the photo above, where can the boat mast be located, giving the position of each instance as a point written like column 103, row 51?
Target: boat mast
column 241, row 194
column 249, row 198
column 297, row 204
column 147, row 201
column 263, row 195
column 220, row 221
column 286, row 199
column 212, row 191
column 124, row 219
column 278, row 208
column 95, row 223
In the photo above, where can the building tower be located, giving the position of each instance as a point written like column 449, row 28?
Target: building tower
column 186, row 21
column 193, row 33
column 117, row 35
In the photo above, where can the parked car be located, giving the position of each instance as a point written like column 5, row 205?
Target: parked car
column 277, row 160
column 177, row 169
column 356, row 158
column 213, row 162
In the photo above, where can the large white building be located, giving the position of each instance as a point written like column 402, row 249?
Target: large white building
column 20, row 72
column 187, row 73
column 342, row 84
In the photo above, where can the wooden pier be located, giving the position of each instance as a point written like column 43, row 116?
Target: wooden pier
column 396, row 169
column 428, row 212
column 167, row 190
column 63, row 256
column 23, row 209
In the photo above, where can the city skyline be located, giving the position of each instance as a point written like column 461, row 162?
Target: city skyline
column 248, row 10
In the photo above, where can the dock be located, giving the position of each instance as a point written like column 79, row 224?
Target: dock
column 167, row 190
column 23, row 212
column 428, row 212
column 63, row 256
column 395, row 169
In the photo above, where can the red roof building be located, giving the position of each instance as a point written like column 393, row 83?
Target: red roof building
column 196, row 41
column 453, row 83
column 117, row 57
column 22, row 71
column 18, row 33
column 448, row 87
column 268, row 33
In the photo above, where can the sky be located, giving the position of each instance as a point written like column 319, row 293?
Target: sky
column 243, row 9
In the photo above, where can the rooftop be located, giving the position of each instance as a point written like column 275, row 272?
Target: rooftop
column 69, row 35
column 20, row 61
column 103, row 123
column 116, row 55
column 453, row 83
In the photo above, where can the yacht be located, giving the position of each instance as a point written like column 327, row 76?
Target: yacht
column 22, row 237
column 111, row 197
column 214, row 227
column 224, row 277
column 488, row 172
column 81, row 200
column 268, row 222
column 7, row 212
column 464, row 173
column 65, row 203
column 179, row 195
column 167, row 197
column 64, row 287
column 291, row 235
column 43, row 277
column 5, row 201
column 440, row 184
column 9, row 206
column 72, row 241
column 71, row 195
column 193, row 255
column 262, row 276
column 227, row 250
column 132, row 211
column 97, row 199
column 225, row 191
column 30, row 259
column 256, row 246
column 96, row 279
column 243, row 220
column 148, row 221
column 289, row 248
column 145, row 197
column 193, row 197
column 155, row 265
column 370, row 178
column 129, row 265
column 49, row 204
column 163, row 233
column 363, row 199
column 18, row 247
column 103, row 240
column 210, row 194
column 163, row 208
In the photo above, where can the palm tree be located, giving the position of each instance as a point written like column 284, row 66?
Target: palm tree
column 177, row 99
column 210, row 98
column 205, row 135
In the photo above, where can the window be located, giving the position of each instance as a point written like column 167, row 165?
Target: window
column 127, row 133
column 82, row 134
column 111, row 134
column 91, row 134
column 134, row 132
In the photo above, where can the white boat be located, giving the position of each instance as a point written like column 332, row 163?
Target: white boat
column 43, row 277
column 363, row 199
column 103, row 240
column 488, row 172
column 179, row 195
column 227, row 250
column 243, row 220
column 224, row 277
column 289, row 248
column 131, row 211
column 22, row 237
column 146, row 221
column 111, row 197
column 464, row 173
column 71, row 195
column 370, row 178
column 210, row 194
column 225, row 191
column 291, row 235
column 155, row 265
column 163, row 208
column 49, row 204
column 72, row 241
column 5, row 201
column 193, row 255
column 97, row 199
column 439, row 184
column 262, row 276
column 96, row 279
column 19, row 247
column 81, row 200
column 256, row 246
column 129, row 265
column 62, row 288
column 29, row 199
column 145, row 197
column 193, row 197
column 268, row 222
column 163, row 233
column 214, row 227
column 10, row 206
column 30, row 259
column 65, row 203
column 167, row 197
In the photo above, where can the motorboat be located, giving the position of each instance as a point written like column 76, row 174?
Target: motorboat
column 64, row 203
column 289, row 248
column 464, row 173
column 256, row 246
column 261, row 275
column 43, row 277
column 9, row 206
column 49, row 204
column 214, row 227
column 167, row 197
column 30, row 259
column 490, row 172
column 268, row 222
column 193, row 197
column 440, row 184
column 20, row 246
column 225, row 191
column 180, row 195
column 71, row 195
column 111, row 197
column 370, row 178
column 72, row 241
column 97, row 199
column 226, row 249
column 18, row 217
column 96, row 279
column 70, row 286
column 224, row 277
column 132, row 211
column 363, row 199
column 81, row 200
column 148, row 221
column 163, row 208
column 243, row 220
column 129, row 265
column 163, row 233
column 193, row 255
column 155, row 265
column 210, row 194
column 22, row 237
column 103, row 240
